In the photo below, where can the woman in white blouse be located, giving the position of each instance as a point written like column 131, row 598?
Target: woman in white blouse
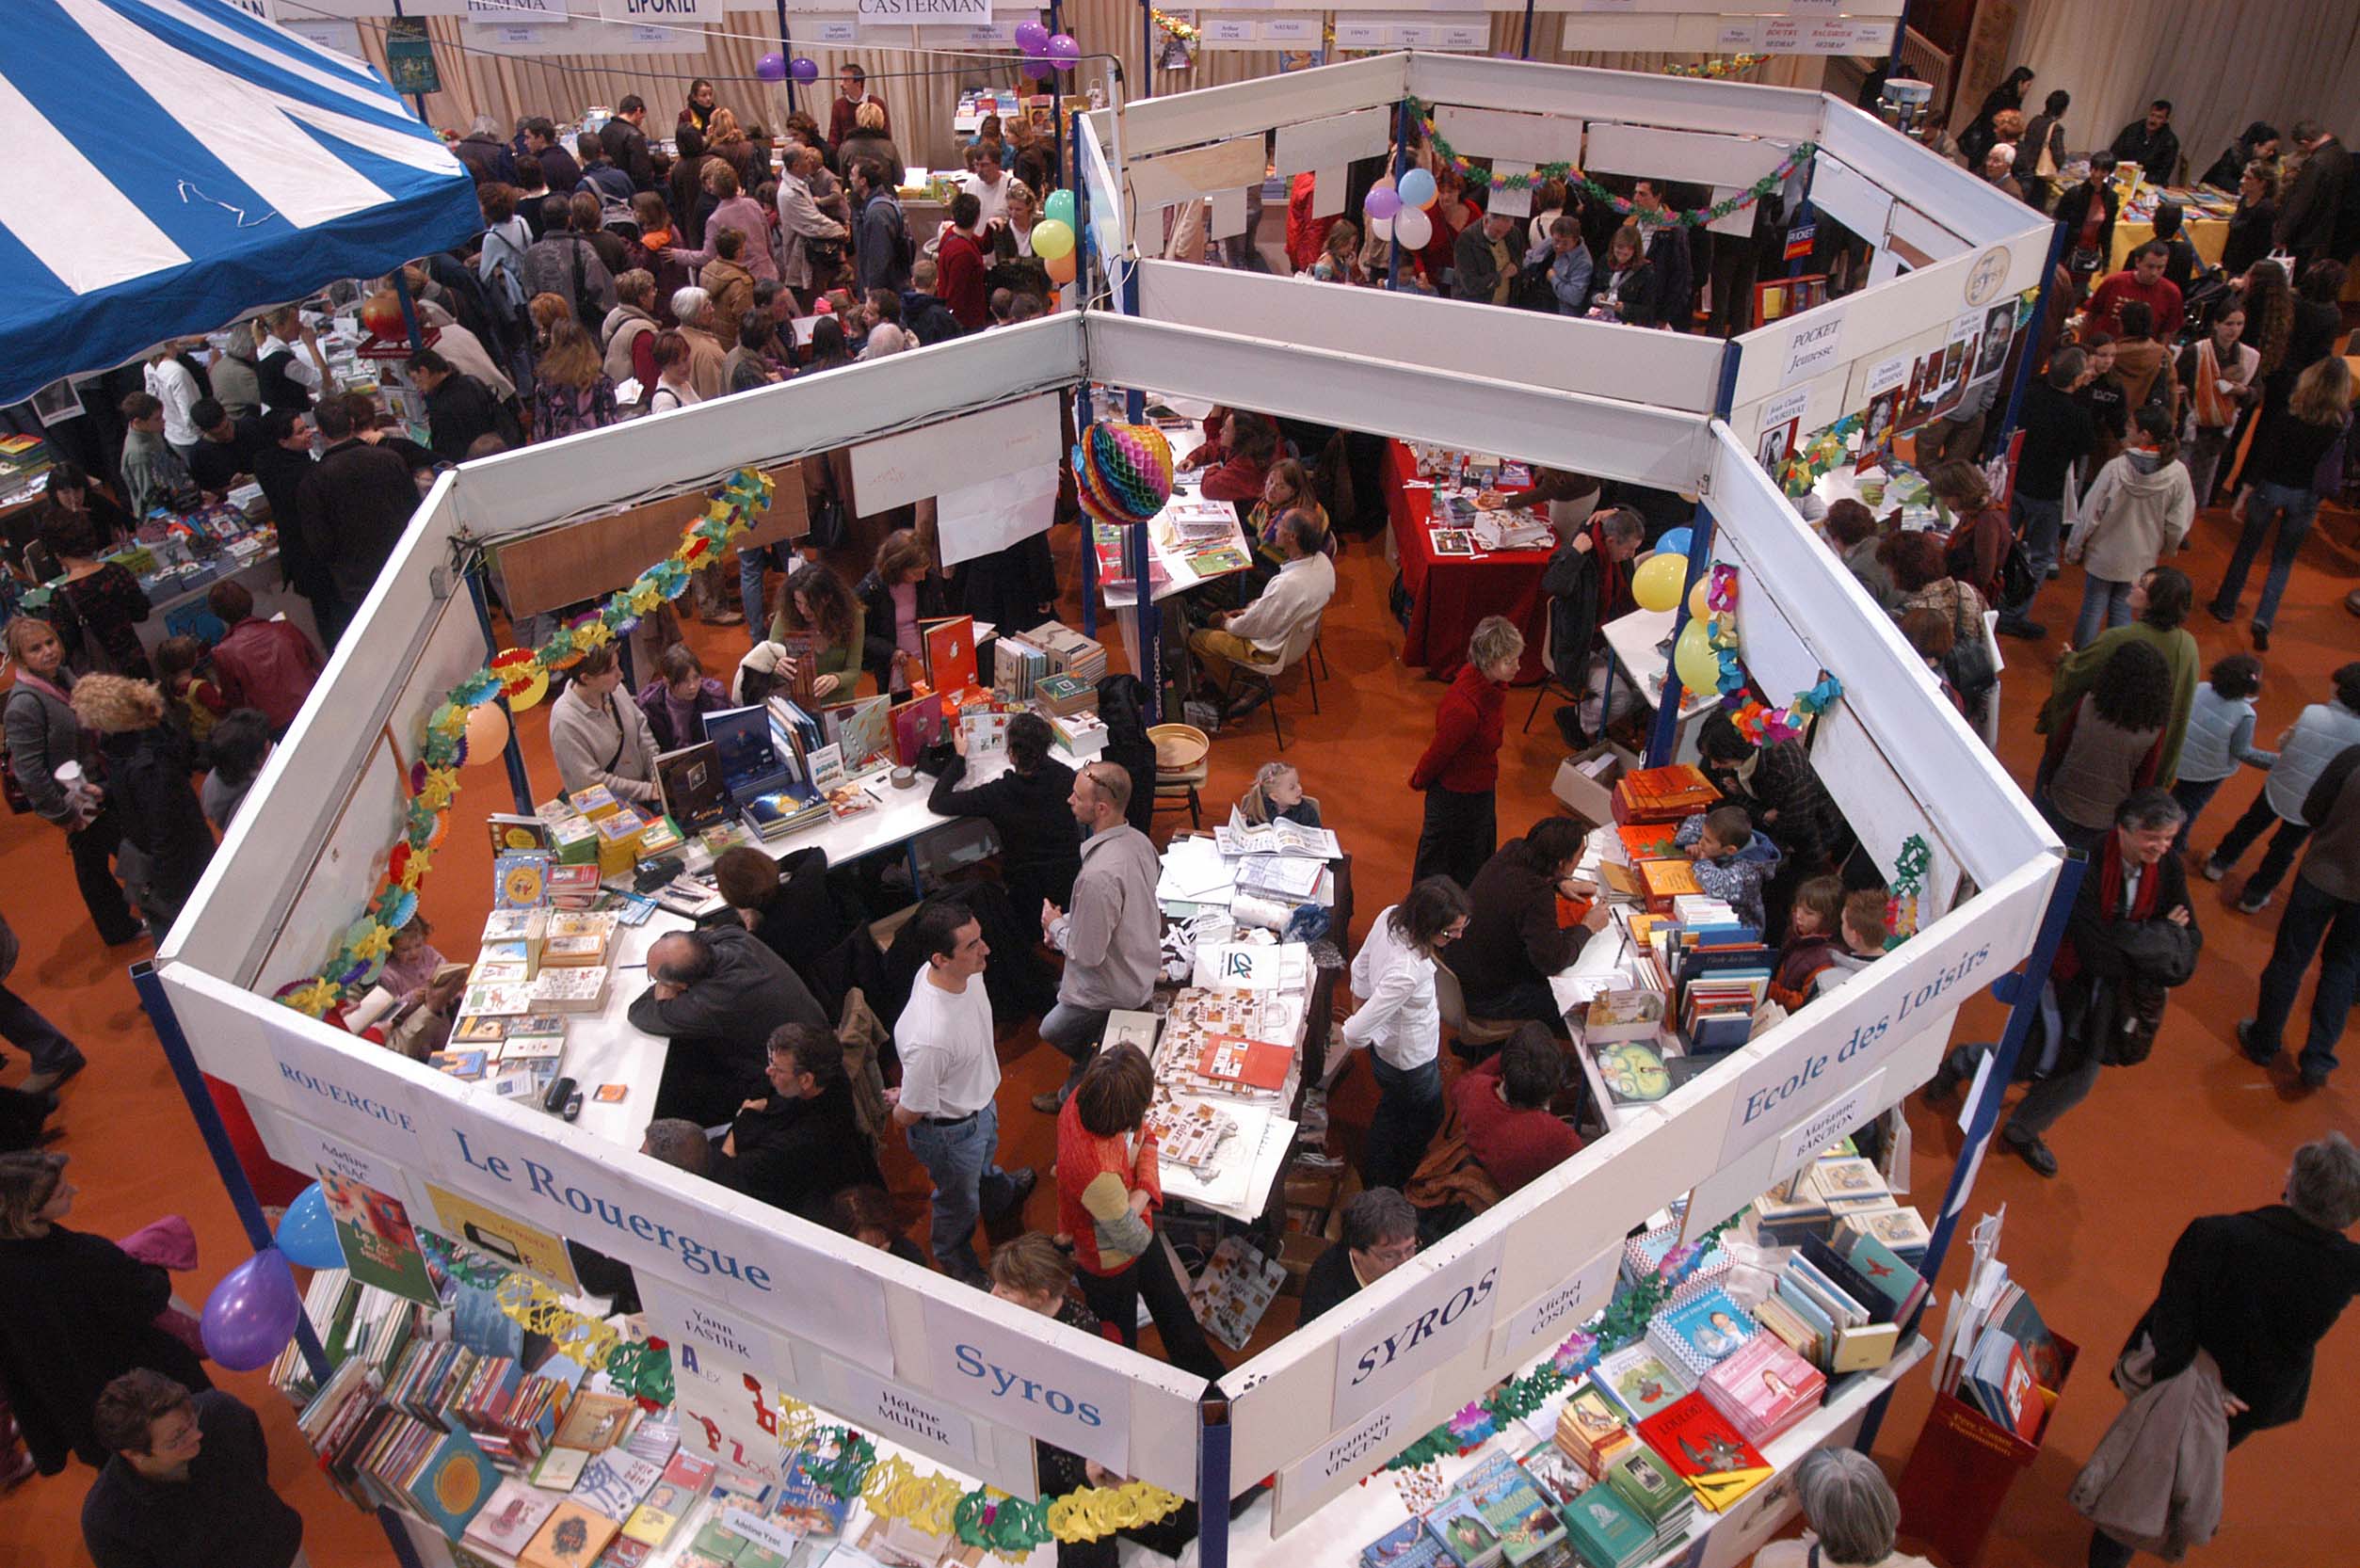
column 1401, row 1023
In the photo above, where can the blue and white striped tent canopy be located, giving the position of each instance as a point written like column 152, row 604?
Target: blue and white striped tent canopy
column 174, row 164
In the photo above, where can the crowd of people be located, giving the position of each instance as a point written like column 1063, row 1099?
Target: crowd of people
column 613, row 279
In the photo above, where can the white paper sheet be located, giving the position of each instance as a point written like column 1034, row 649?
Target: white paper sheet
column 977, row 519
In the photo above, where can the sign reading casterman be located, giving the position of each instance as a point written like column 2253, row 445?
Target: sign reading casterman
column 976, row 11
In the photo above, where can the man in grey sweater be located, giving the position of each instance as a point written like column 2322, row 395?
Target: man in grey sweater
column 1112, row 939
column 2324, row 906
column 716, row 994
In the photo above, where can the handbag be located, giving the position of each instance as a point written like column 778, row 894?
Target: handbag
column 1970, row 665
column 829, row 531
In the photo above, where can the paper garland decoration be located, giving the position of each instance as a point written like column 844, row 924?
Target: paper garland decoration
column 1909, row 879
column 1477, row 175
column 730, row 511
column 1623, row 1323
column 1755, row 720
column 1184, row 30
column 1123, row 472
column 1718, row 70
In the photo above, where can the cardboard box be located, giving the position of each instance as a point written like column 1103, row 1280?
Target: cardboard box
column 1591, row 794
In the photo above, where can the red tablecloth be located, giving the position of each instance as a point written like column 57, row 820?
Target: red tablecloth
column 1448, row 595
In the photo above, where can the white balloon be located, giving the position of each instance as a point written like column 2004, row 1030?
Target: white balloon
column 1413, row 228
column 1381, row 227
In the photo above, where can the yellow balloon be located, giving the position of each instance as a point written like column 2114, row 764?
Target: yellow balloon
column 1694, row 657
column 1700, row 597
column 1051, row 239
column 1659, row 581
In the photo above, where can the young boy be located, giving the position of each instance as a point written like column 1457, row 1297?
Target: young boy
column 2220, row 738
column 1862, row 925
column 1732, row 861
column 1811, row 941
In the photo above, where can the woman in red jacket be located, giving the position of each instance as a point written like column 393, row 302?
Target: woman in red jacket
column 1108, row 1191
column 1461, row 765
column 962, row 256
column 1237, row 459
column 1979, row 534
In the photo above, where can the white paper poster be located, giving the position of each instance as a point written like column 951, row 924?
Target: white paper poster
column 300, row 1145
column 728, row 1410
column 1556, row 1312
column 902, row 1413
column 1810, row 345
column 977, row 519
column 933, row 12
column 1514, row 201
column 1019, row 1379
column 1444, row 1310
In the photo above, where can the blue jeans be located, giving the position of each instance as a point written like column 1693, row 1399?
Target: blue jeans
column 1408, row 1114
column 2312, row 916
column 2291, row 510
column 2104, row 603
column 2037, row 521
column 2194, row 796
column 1075, row 1031
column 41, row 1041
column 969, row 1185
column 751, row 562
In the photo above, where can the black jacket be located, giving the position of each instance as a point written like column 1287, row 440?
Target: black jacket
column 1120, row 706
column 1040, row 843
column 876, row 627
column 81, row 1313
column 2258, row 1290
column 225, row 1513
column 2307, row 215
column 1674, row 292
column 2252, row 232
column 1635, row 299
column 1328, row 1283
column 489, row 159
column 559, row 170
column 801, row 922
column 147, row 776
column 2155, row 153
column 627, row 145
column 1511, row 934
column 1572, row 584
column 215, row 465
column 2072, row 211
column 798, row 1153
column 457, row 412
column 2057, row 429
column 1786, row 801
column 355, row 504
column 719, row 1027
column 927, row 318
column 281, row 474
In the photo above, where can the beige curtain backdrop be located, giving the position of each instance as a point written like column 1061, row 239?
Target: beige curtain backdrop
column 561, row 87
column 2222, row 63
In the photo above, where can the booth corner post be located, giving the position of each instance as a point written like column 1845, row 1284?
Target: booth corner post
column 1663, row 735
column 1524, row 44
column 2031, row 336
column 191, row 1079
column 1147, row 48
column 1901, row 37
column 519, row 784
column 786, row 49
column 2023, row 996
column 1058, row 81
column 1402, row 113
column 1213, row 1435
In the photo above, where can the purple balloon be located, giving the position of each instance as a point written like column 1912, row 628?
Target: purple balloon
column 1032, row 38
column 771, row 67
column 1383, row 201
column 804, row 69
column 1063, row 51
column 252, row 1313
column 1039, row 68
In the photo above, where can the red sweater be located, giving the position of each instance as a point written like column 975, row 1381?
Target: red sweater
column 962, row 263
column 2105, row 307
column 1513, row 1147
column 1464, row 755
column 1096, row 1178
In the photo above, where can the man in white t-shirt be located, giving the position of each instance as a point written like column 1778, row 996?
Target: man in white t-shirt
column 949, row 1073
column 170, row 383
column 985, row 181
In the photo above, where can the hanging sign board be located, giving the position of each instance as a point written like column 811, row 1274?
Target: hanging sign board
column 1810, row 345
column 1331, row 1469
column 1023, row 1380
column 931, row 12
column 1391, row 1347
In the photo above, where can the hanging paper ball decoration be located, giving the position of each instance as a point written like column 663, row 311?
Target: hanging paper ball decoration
column 1658, row 582
column 1059, row 207
column 1413, row 228
column 1123, row 471
column 1051, row 239
column 252, row 1314
column 487, row 732
column 771, row 67
column 1032, row 38
column 1383, row 201
column 1418, row 189
column 1061, row 269
column 522, row 680
column 804, row 69
column 1063, row 52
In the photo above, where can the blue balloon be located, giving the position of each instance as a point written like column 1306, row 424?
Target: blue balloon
column 306, row 1232
column 1416, row 188
column 1675, row 542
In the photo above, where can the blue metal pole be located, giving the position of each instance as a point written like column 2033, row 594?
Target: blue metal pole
column 1664, row 737
column 519, row 784
column 1400, row 167
column 191, row 1079
column 786, row 49
column 2033, row 335
column 1213, row 1479
column 1524, row 48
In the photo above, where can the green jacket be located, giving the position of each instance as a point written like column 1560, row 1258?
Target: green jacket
column 2078, row 673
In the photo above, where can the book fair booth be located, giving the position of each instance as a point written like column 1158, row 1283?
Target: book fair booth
column 804, row 1373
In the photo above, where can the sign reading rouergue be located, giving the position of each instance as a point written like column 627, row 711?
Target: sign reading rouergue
column 1442, row 1314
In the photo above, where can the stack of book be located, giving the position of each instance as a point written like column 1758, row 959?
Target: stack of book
column 1667, row 795
column 1607, row 1531
column 1018, row 666
column 1764, row 1388
column 1058, row 695
column 580, row 989
column 1716, row 1460
column 1590, row 1429
column 1699, row 1327
column 1899, row 1230
column 1075, row 655
column 684, row 1481
column 417, row 1468
column 1660, row 1499
column 1083, row 734
column 575, row 887
column 1507, row 1500
column 578, row 938
column 2001, row 1358
column 1830, row 1313
column 1463, row 1536
column 1640, row 1381
column 1645, row 1253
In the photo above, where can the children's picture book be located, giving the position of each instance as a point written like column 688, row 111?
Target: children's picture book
column 519, row 879
column 510, row 1519
column 693, row 791
column 1640, row 1381
column 862, row 731
column 917, row 725
column 1451, row 541
column 455, row 1483
column 950, row 654
column 614, row 1482
column 1404, row 1546
column 380, row 1244
column 571, row 1537
column 512, row 834
column 1459, row 1530
column 1702, row 1330
column 1695, row 1439
column 1633, row 1073
column 1233, row 1289
column 596, row 1422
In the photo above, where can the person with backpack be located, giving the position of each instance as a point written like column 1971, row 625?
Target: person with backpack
column 500, row 266
column 565, row 264
column 885, row 253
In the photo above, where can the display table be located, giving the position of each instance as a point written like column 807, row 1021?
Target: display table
column 2210, row 235
column 186, row 613
column 1448, row 595
column 1636, row 641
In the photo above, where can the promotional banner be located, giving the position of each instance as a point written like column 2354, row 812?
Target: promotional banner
column 1018, row 1378
column 1442, row 1313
